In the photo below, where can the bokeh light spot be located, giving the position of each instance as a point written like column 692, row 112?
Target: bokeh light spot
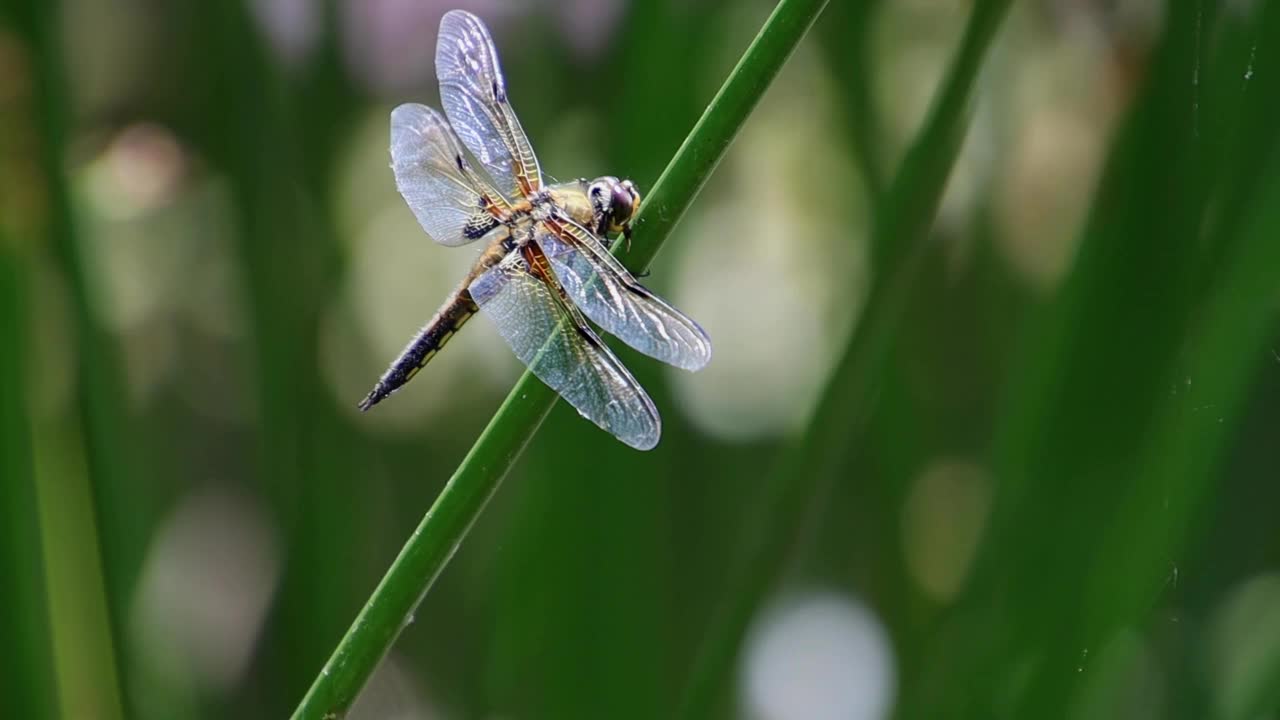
column 942, row 521
column 821, row 656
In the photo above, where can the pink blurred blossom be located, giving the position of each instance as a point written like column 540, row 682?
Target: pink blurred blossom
column 390, row 45
column 587, row 26
column 292, row 27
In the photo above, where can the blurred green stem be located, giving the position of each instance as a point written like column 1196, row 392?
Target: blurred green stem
column 902, row 226
column 27, row 661
column 289, row 258
column 391, row 606
column 100, row 384
column 847, row 32
column 1224, row 340
column 1101, row 453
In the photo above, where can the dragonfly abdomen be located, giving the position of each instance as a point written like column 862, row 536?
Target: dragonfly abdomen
column 456, row 311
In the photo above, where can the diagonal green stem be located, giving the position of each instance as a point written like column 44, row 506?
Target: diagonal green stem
column 902, row 226
column 477, row 478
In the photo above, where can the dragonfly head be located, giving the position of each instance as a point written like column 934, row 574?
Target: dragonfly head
column 614, row 203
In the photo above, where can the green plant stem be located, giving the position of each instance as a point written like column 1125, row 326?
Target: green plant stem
column 847, row 34
column 288, row 255
column 27, row 662
column 1223, row 340
column 899, row 238
column 446, row 524
column 706, row 144
column 100, row 384
column 1099, row 466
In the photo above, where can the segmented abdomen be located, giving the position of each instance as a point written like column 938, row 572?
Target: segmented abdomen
column 455, row 312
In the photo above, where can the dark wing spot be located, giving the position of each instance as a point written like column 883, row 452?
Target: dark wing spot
column 479, row 225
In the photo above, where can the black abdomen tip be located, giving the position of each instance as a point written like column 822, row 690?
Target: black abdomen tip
column 371, row 399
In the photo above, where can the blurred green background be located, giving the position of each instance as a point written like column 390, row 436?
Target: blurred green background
column 1008, row 450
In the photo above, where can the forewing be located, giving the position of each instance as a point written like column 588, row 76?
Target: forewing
column 474, row 95
column 598, row 284
column 564, row 352
column 449, row 199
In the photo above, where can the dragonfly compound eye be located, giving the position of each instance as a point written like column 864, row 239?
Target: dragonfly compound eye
column 623, row 201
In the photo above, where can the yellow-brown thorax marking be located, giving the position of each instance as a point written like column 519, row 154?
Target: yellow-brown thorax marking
column 570, row 198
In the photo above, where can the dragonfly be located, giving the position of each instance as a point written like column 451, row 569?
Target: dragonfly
column 545, row 267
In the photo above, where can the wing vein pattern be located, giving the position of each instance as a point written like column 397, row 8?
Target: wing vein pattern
column 608, row 294
column 548, row 336
column 474, row 95
column 453, row 205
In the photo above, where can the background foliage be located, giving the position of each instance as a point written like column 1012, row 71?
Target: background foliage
column 991, row 428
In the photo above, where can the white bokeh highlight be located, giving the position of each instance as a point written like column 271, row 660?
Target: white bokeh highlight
column 820, row 656
column 205, row 588
column 1244, row 646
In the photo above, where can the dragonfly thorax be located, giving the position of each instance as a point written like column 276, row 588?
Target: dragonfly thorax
column 604, row 205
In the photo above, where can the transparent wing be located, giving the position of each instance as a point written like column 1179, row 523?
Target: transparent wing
column 558, row 346
column 451, row 202
column 474, row 95
column 609, row 295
